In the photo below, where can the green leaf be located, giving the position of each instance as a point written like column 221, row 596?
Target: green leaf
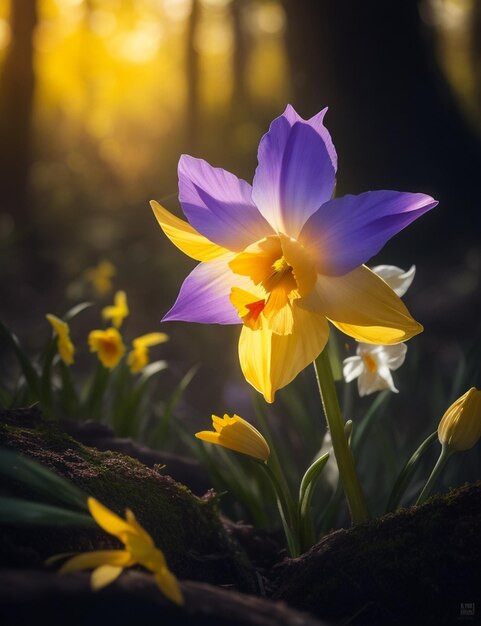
column 46, row 394
column 29, row 372
column 14, row 511
column 407, row 472
column 160, row 432
column 306, row 490
column 40, row 479
column 309, row 480
column 75, row 310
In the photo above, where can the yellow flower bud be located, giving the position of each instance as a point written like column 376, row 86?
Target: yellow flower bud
column 236, row 434
column 460, row 426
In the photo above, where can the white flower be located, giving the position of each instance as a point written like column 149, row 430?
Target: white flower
column 372, row 367
column 373, row 364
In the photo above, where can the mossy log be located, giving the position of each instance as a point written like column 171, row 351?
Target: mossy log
column 421, row 565
column 418, row 566
column 187, row 528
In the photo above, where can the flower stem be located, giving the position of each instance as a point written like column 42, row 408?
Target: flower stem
column 345, row 462
column 443, row 457
column 287, row 511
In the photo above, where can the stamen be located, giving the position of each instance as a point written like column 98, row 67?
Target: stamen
column 370, row 363
column 281, row 265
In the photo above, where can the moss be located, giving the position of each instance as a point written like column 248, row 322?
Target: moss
column 415, row 566
column 187, row 528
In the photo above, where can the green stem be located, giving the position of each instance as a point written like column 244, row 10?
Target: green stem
column 345, row 462
column 443, row 457
column 274, row 462
column 287, row 511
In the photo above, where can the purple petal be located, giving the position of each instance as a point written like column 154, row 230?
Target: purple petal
column 219, row 205
column 296, row 171
column 204, row 295
column 346, row 232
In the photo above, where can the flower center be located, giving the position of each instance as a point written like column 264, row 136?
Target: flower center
column 369, row 362
column 281, row 271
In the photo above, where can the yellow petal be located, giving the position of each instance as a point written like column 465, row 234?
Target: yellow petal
column 257, row 260
column 107, row 519
column 363, row 306
column 96, row 558
column 137, row 359
column 278, row 312
column 104, row 575
column 59, row 326
column 186, row 238
column 139, row 530
column 169, row 585
column 151, row 339
column 270, row 361
column 65, row 346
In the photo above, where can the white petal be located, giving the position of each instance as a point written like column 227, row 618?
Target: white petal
column 353, row 367
column 396, row 355
column 395, row 277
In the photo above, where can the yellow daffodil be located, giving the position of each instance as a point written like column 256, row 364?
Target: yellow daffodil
column 236, row 434
column 139, row 356
column 139, row 550
column 65, row 346
column 109, row 346
column 460, row 426
column 118, row 311
column 101, row 277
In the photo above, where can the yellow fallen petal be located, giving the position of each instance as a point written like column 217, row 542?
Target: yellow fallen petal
column 140, row 530
column 186, row 238
column 169, row 585
column 270, row 361
column 363, row 306
column 107, row 519
column 96, row 558
column 104, row 575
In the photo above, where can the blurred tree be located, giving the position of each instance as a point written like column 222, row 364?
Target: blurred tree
column 240, row 94
column 17, row 81
column 192, row 79
column 394, row 121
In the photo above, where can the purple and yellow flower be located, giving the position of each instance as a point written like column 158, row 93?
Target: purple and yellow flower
column 65, row 346
column 139, row 549
column 282, row 257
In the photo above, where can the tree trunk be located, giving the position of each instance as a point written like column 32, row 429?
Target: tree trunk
column 393, row 119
